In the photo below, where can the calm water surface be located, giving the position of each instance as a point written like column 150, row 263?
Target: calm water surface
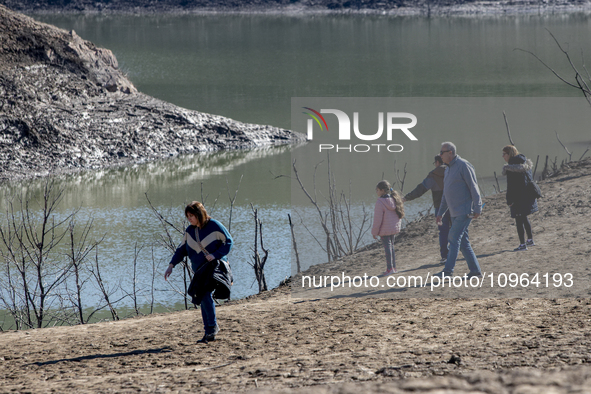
column 248, row 67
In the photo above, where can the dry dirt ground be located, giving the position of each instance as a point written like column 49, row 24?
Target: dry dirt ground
column 277, row 342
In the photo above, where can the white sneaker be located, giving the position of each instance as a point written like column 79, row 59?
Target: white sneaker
column 389, row 272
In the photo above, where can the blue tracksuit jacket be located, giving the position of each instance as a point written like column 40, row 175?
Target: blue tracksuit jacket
column 213, row 237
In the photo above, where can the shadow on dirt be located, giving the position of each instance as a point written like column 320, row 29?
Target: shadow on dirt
column 114, row 355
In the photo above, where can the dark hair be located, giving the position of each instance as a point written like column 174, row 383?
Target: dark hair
column 385, row 185
column 198, row 210
column 511, row 150
column 438, row 160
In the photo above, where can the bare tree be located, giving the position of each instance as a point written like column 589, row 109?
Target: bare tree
column 45, row 262
column 77, row 254
column 153, row 278
column 30, row 239
column 581, row 81
column 401, row 180
column 105, row 291
column 259, row 262
column 232, row 200
column 343, row 231
column 134, row 281
column 172, row 229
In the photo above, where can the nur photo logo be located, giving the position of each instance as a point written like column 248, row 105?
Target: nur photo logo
column 395, row 123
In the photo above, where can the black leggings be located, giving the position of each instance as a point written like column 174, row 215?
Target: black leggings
column 523, row 226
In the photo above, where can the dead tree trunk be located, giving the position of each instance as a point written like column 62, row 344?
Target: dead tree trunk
column 295, row 245
column 259, row 263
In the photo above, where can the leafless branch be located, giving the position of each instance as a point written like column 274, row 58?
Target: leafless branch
column 570, row 155
column 498, row 187
column 401, row 180
column 232, row 200
column 579, row 79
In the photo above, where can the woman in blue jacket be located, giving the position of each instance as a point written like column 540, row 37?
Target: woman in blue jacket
column 518, row 171
column 205, row 240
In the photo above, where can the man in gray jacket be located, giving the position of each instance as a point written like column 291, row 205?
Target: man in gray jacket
column 462, row 198
column 434, row 182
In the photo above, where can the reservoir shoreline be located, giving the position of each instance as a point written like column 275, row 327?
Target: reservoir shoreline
column 303, row 7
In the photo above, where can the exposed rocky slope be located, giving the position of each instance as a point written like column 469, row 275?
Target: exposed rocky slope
column 346, row 6
column 64, row 105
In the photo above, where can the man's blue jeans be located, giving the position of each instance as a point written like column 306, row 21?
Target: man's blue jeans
column 443, row 234
column 208, row 313
column 458, row 240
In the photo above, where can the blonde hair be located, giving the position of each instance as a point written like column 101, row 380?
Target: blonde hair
column 511, row 151
column 385, row 186
column 399, row 204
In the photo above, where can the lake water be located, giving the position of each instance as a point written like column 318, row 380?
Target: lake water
column 248, row 67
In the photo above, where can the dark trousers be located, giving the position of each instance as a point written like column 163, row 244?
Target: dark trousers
column 523, row 226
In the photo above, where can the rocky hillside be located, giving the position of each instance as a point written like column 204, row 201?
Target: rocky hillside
column 364, row 6
column 64, row 105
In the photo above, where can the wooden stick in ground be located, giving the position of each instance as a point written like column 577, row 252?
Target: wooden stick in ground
column 295, row 245
column 554, row 165
column 508, row 131
column 583, row 155
column 497, row 181
column 545, row 170
column 535, row 168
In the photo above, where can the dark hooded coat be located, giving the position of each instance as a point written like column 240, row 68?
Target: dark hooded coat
column 433, row 182
column 518, row 171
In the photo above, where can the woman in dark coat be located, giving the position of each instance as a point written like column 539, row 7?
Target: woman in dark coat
column 518, row 171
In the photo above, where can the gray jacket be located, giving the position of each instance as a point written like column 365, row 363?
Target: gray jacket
column 460, row 189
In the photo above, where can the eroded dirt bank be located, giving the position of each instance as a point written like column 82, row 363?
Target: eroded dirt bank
column 275, row 342
column 65, row 105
